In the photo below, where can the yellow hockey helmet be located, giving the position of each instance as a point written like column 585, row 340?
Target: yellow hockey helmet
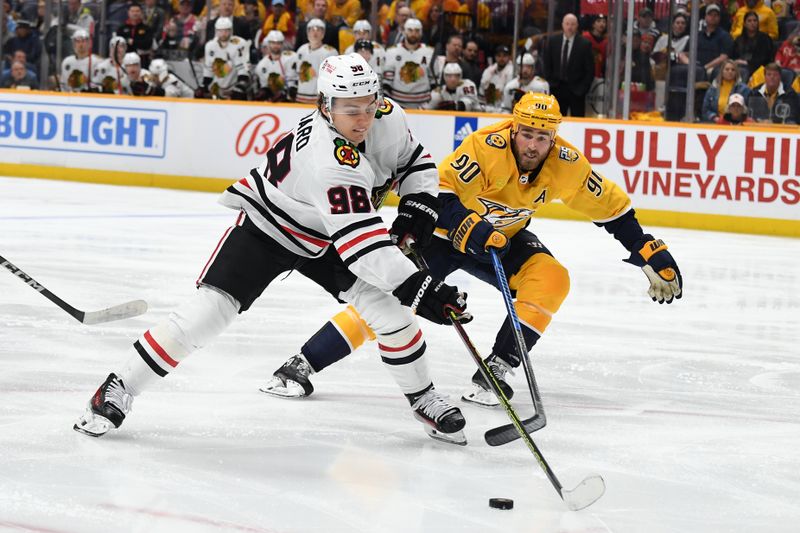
column 538, row 110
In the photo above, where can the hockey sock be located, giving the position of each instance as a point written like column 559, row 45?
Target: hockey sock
column 337, row 339
column 403, row 354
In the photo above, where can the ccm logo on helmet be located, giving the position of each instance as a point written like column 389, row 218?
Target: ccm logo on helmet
column 361, row 83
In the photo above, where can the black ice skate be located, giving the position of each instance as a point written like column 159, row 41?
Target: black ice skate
column 482, row 393
column 106, row 409
column 291, row 380
column 443, row 420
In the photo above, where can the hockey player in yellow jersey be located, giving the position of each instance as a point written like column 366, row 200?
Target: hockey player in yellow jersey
column 490, row 187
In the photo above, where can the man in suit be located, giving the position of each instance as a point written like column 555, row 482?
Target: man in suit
column 569, row 67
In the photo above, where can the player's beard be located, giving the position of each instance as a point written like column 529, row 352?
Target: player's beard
column 528, row 160
column 413, row 41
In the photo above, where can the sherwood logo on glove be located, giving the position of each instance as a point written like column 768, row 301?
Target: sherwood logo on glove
column 421, row 292
column 424, row 208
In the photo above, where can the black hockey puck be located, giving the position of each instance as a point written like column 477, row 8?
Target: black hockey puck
column 501, row 503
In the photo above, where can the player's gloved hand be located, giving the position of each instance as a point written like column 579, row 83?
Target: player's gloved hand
column 159, row 91
column 474, row 236
column 416, row 218
column 291, row 93
column 140, row 88
column 201, row 92
column 446, row 105
column 239, row 90
column 660, row 268
column 432, row 299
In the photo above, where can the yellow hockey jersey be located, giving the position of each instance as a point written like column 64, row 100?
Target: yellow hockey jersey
column 483, row 173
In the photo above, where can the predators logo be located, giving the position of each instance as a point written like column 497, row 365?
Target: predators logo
column 495, row 140
column 275, row 82
column 385, row 108
column 345, row 153
column 221, row 68
column 410, row 72
column 502, row 216
column 307, row 72
column 491, row 94
column 76, row 79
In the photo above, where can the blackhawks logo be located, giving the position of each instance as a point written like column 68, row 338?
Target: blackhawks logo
column 491, row 94
column 307, row 72
column 275, row 82
column 345, row 153
column 220, row 68
column 384, row 109
column 411, row 72
column 76, row 79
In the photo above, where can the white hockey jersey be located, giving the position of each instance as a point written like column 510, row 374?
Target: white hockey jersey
column 316, row 190
column 493, row 80
column 466, row 93
column 279, row 74
column 536, row 85
column 175, row 88
column 76, row 74
column 408, row 75
column 308, row 62
column 110, row 77
column 378, row 59
column 224, row 64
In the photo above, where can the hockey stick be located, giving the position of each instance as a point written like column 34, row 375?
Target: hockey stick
column 117, row 312
column 505, row 434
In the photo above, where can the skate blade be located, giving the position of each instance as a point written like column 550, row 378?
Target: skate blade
column 481, row 398
column 93, row 425
column 458, row 438
column 292, row 390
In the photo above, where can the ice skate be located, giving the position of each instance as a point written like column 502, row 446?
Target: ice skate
column 291, row 380
column 482, row 394
column 443, row 421
column 106, row 409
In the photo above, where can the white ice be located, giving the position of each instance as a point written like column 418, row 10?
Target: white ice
column 689, row 411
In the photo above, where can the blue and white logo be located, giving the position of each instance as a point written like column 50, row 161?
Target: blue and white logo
column 83, row 128
column 463, row 127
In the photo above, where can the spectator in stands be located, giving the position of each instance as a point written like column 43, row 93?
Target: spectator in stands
column 331, row 37
column 452, row 54
column 280, row 19
column 436, row 28
column 472, row 10
column 455, row 93
column 344, row 12
column 186, row 24
column 641, row 64
column 727, row 82
column 495, row 78
column 645, row 24
column 735, row 112
column 714, row 45
column 680, row 40
column 396, row 34
column 470, row 62
column 137, row 34
column 226, row 9
column 27, row 40
column 19, row 55
column 19, row 78
column 767, row 22
column 788, row 55
column 725, row 20
column 753, row 48
column 154, row 17
column 599, row 40
column 76, row 17
column 527, row 81
column 569, row 67
column 251, row 20
column 771, row 101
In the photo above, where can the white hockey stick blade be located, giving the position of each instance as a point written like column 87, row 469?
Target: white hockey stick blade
column 585, row 494
column 117, row 312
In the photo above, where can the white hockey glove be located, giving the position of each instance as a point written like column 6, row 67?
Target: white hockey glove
column 666, row 282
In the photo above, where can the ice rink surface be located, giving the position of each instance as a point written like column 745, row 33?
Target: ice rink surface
column 689, row 411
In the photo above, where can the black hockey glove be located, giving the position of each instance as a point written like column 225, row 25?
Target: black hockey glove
column 291, row 93
column 140, row 88
column 239, row 90
column 201, row 92
column 432, row 299
column 660, row 268
column 446, row 105
column 416, row 217
column 159, row 91
column 474, row 236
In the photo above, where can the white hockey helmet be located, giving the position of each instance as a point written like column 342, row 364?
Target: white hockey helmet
column 115, row 41
column 362, row 25
column 346, row 76
column 452, row 68
column 80, row 33
column 159, row 69
column 223, row 23
column 275, row 36
column 315, row 23
column 131, row 58
column 527, row 59
column 413, row 24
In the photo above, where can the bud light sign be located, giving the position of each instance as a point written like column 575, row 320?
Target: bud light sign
column 83, row 128
column 463, row 127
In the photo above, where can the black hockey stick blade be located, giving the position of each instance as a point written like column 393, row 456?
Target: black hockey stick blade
column 508, row 433
column 585, row 494
column 117, row 312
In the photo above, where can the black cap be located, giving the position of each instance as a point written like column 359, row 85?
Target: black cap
column 363, row 44
column 502, row 49
column 645, row 12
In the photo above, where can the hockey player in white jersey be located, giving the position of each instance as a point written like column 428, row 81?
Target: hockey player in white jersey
column 407, row 75
column 495, row 78
column 109, row 74
column 76, row 69
column 456, row 93
column 226, row 66
column 276, row 73
column 526, row 82
column 165, row 83
column 362, row 31
column 310, row 207
column 139, row 79
column 309, row 58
